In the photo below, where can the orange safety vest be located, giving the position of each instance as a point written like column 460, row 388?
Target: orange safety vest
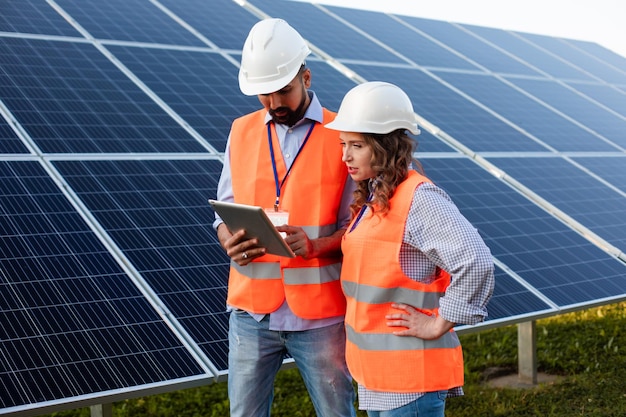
column 312, row 196
column 372, row 279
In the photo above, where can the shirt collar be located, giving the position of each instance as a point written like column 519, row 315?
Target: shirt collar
column 313, row 112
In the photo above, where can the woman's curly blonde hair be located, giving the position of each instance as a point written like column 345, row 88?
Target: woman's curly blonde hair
column 392, row 156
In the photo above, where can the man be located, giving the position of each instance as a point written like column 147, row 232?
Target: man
column 283, row 159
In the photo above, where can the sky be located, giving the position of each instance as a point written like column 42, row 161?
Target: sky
column 599, row 21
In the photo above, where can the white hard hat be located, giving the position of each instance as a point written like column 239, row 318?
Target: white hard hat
column 272, row 56
column 375, row 107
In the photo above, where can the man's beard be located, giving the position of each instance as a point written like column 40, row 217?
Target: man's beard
column 291, row 117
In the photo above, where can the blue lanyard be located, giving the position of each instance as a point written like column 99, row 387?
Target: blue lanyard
column 280, row 184
column 361, row 212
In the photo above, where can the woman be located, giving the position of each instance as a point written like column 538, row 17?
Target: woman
column 413, row 266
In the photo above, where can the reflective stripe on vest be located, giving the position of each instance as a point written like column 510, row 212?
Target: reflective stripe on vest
column 388, row 341
column 313, row 232
column 312, row 196
column 321, row 275
column 372, row 279
column 373, row 295
column 292, row 276
column 258, row 270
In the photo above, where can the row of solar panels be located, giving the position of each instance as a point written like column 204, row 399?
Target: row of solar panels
column 114, row 118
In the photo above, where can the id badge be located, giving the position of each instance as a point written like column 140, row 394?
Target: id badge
column 278, row 218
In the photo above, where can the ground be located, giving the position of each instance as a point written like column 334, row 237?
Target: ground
column 500, row 378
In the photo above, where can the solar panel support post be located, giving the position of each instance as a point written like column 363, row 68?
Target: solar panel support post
column 101, row 410
column 527, row 352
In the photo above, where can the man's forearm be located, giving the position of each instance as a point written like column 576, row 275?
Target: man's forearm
column 328, row 246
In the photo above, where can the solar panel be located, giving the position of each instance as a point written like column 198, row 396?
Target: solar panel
column 537, row 58
column 586, row 199
column 156, row 211
column 471, row 47
column 512, row 299
column 607, row 95
column 547, row 254
column 609, row 125
column 329, row 85
column 427, row 142
column 33, row 16
column 113, row 123
column 600, row 52
column 222, row 22
column 70, row 98
column 199, row 86
column 403, row 39
column 577, row 57
column 546, row 126
column 610, row 169
column 463, row 119
column 9, row 142
column 319, row 28
column 128, row 21
column 72, row 321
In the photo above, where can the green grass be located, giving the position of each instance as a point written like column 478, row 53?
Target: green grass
column 586, row 350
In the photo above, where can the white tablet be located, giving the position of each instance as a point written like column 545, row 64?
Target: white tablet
column 256, row 224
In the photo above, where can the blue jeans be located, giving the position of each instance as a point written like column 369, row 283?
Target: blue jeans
column 431, row 404
column 256, row 354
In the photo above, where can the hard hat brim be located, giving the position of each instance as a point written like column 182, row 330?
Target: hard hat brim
column 268, row 87
column 371, row 127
